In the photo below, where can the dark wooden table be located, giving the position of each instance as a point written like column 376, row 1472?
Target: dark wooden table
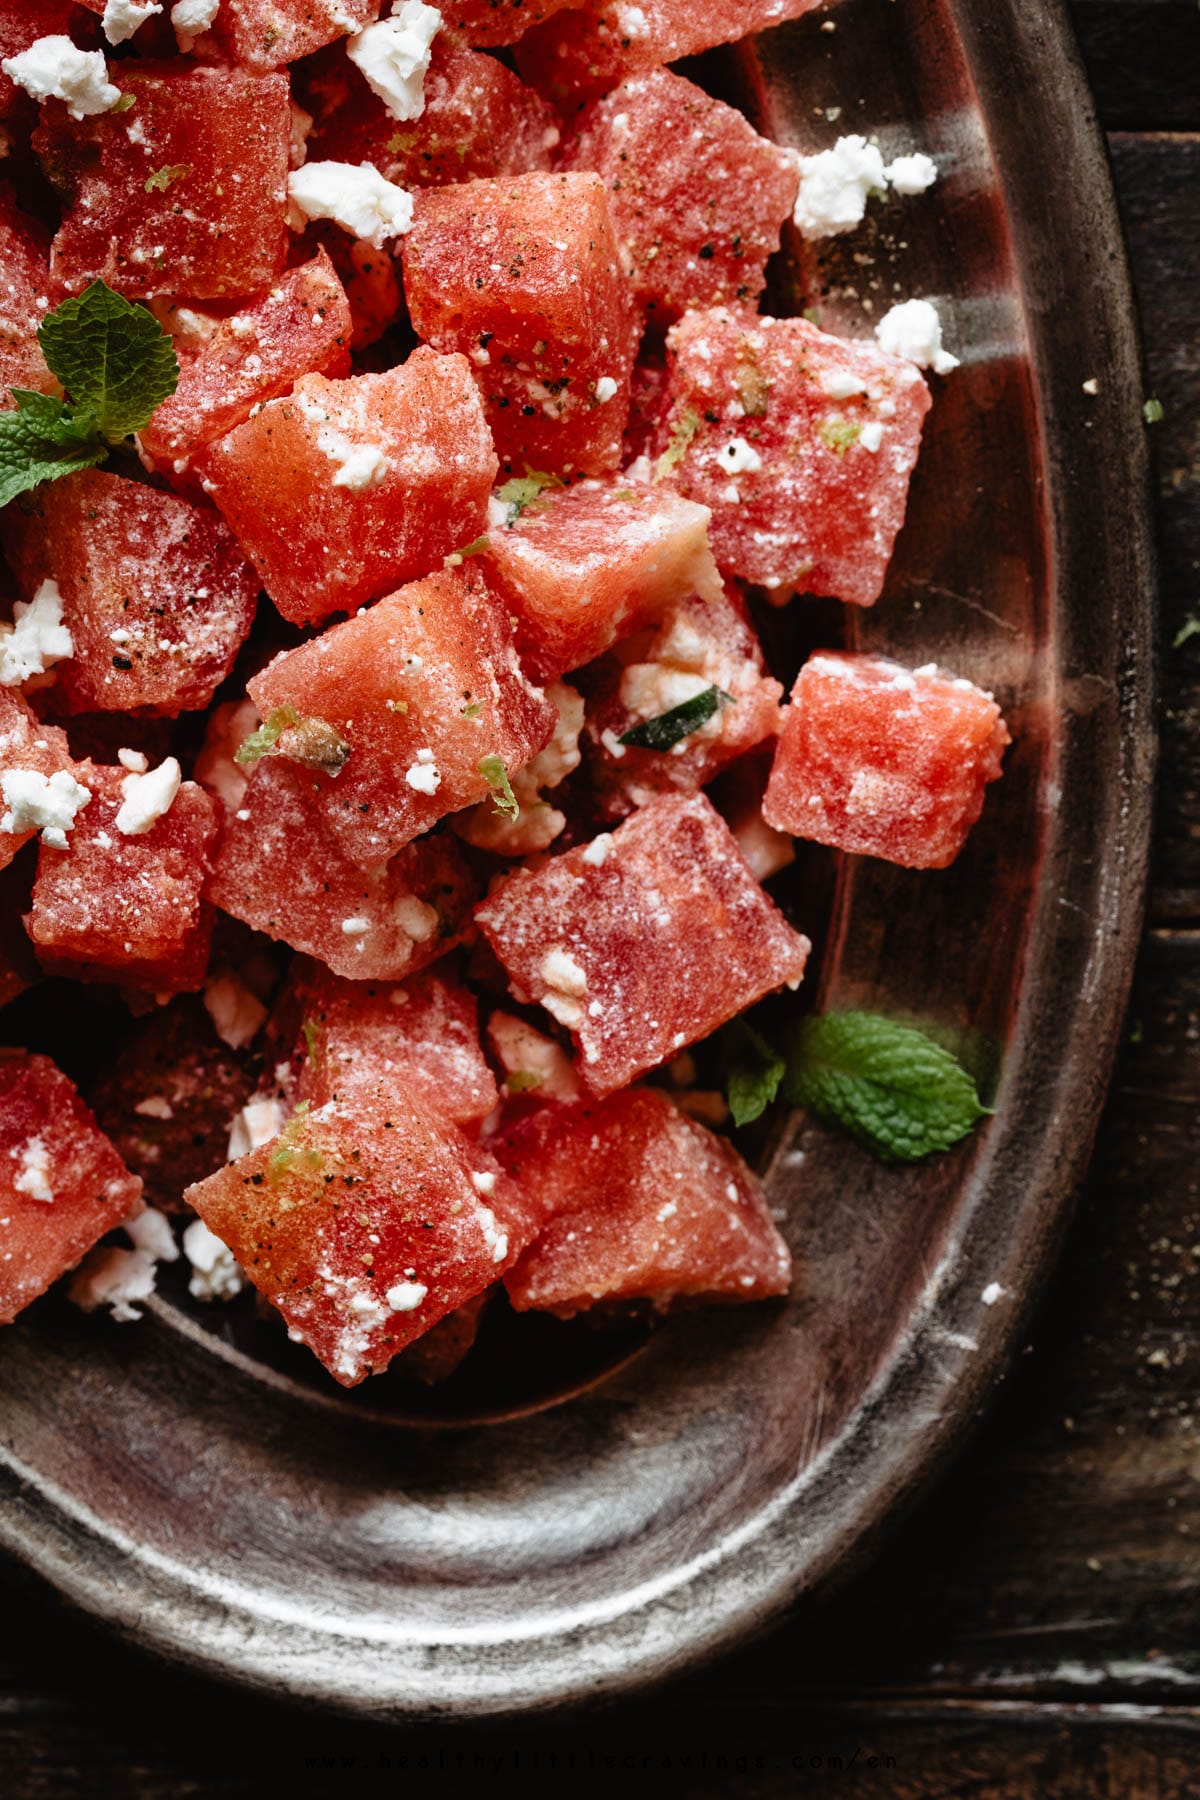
column 1032, row 1631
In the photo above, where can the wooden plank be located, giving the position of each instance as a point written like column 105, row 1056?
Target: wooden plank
column 1143, row 57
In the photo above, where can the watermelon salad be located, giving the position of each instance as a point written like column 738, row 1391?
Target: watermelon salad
column 399, row 459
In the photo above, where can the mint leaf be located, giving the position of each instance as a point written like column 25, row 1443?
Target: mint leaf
column 755, row 1072
column 267, row 735
column 523, row 491
column 113, row 358
column 897, row 1091
column 41, row 441
column 496, row 775
column 668, row 728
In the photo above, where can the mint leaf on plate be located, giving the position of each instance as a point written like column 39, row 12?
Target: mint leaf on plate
column 41, row 441
column 754, row 1074
column 113, row 358
column 898, row 1092
column 668, row 728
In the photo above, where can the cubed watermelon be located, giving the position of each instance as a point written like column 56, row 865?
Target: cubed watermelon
column 879, row 760
column 301, row 327
column 362, row 1042
column 348, row 488
column 479, row 120
column 535, row 823
column 589, row 49
column 582, row 566
column 370, row 279
column 167, row 1098
column 698, row 198
column 499, row 21
column 697, row 646
column 27, row 749
column 265, row 34
column 184, row 192
column 643, row 940
column 534, row 1065
column 364, row 1233
column 642, row 1203
column 426, row 696
column 801, row 443
column 280, row 871
column 62, row 1185
column 156, row 593
column 24, row 298
column 125, row 901
column 524, row 276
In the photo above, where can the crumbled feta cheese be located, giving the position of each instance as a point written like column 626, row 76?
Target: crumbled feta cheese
column 37, row 637
column 260, row 1120
column 150, row 1230
column 632, row 22
column 406, row 1296
column 191, row 18
column 424, row 775
column 912, row 174
column 835, row 186
column 739, row 457
column 913, row 330
column 113, row 1278
column 606, row 387
column 871, row 435
column 493, row 1236
column 359, row 466
column 215, row 1272
column 233, row 1009
column 597, row 853
column 560, row 970
column 34, row 1175
column 416, row 919
column 53, row 68
column 648, row 689
column 840, row 384
column 123, row 17
column 45, row 803
column 133, row 760
column 147, row 798
column 393, row 56
column 155, row 1106
column 354, row 196
column 483, row 1180
column 356, row 927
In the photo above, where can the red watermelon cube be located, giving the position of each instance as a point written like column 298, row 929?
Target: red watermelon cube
column 30, row 755
column 479, row 120
column 300, row 327
column 879, row 760
column 184, row 192
column 370, row 279
column 641, row 1203
column 582, row 566
column 425, row 692
column 592, row 47
column 168, row 1097
column 156, row 593
column 643, row 940
column 524, row 276
column 266, row 34
column 280, row 870
column 24, row 298
column 364, row 1232
column 362, row 1041
column 698, row 645
column 498, row 21
column 125, row 901
column 801, row 443
column 348, row 488
column 698, row 198
column 62, row 1185
column 535, row 1067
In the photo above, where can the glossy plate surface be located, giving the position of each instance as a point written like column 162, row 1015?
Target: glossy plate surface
column 221, row 1509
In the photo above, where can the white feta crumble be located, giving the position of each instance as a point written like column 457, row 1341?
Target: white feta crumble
column 912, row 174
column 114, row 1278
column 424, row 775
column 123, row 17
column 260, row 1120
column 393, row 56
column 835, row 186
column 354, row 196
column 606, row 387
column 840, row 384
column 416, row 919
column 148, row 798
column 37, row 637
column 494, row 1236
column 483, row 1180
column 913, row 331
column 991, row 1293
column 155, row 1106
column 54, row 68
column 33, row 1177
column 356, row 927
column 45, row 803
column 597, row 853
column 191, row 18
column 359, row 466
column 406, row 1296
column 738, row 457
column 134, row 760
column 560, row 970
column 632, row 22
column 150, row 1230
column 234, row 1010
column 215, row 1272
column 871, row 435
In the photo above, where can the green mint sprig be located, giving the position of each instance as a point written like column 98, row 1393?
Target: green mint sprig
column 496, row 775
column 754, row 1073
column 117, row 366
column 524, row 491
column 669, row 728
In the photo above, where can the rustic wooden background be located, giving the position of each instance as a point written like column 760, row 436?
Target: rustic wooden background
column 1033, row 1630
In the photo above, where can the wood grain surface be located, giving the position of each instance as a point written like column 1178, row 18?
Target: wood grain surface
column 1032, row 1629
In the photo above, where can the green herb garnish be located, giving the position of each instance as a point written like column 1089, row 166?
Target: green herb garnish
column 311, row 1032
column 160, row 181
column 1154, row 412
column 116, row 364
column 682, row 434
column 267, row 735
column 496, row 775
column 524, row 491
column 521, row 1081
column 755, row 1072
column 668, row 728
column 839, row 434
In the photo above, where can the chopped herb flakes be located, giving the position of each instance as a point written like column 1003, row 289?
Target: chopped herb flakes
column 496, row 775
column 838, row 434
column 524, row 491
column 681, row 436
column 162, row 178
column 267, row 735
column 669, row 728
